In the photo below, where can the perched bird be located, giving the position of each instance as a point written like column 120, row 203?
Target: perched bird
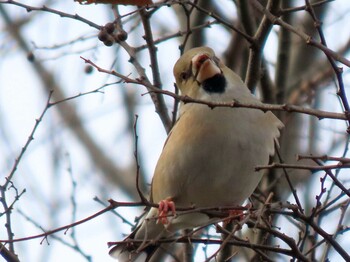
column 210, row 155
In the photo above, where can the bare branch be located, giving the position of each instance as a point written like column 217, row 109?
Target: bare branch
column 308, row 39
column 264, row 107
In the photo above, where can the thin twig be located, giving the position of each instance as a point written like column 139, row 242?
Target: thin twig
column 53, row 11
column 320, row 114
column 303, row 7
column 309, row 167
column 7, row 254
column 57, row 238
column 307, row 38
column 292, row 188
column 220, row 20
column 157, row 83
column 324, row 158
column 139, row 191
column 29, row 140
column 256, row 49
column 328, row 237
column 63, row 228
column 337, row 70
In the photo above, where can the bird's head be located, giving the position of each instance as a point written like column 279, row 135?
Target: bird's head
column 199, row 70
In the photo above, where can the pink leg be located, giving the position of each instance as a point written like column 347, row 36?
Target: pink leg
column 165, row 206
column 236, row 214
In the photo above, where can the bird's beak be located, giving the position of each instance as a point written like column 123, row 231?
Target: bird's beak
column 204, row 67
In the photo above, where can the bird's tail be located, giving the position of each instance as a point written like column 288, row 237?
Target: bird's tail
column 130, row 252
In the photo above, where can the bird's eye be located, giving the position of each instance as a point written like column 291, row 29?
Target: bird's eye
column 185, row 75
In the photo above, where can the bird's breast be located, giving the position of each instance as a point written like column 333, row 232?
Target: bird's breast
column 210, row 156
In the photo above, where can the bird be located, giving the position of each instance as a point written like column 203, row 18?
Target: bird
column 210, row 154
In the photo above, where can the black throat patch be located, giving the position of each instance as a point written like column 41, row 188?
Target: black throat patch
column 215, row 84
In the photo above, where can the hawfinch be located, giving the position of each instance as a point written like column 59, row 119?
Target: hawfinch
column 210, row 155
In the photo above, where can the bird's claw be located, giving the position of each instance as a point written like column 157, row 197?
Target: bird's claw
column 164, row 207
column 237, row 215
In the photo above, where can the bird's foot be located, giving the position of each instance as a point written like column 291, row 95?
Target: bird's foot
column 165, row 206
column 237, row 215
